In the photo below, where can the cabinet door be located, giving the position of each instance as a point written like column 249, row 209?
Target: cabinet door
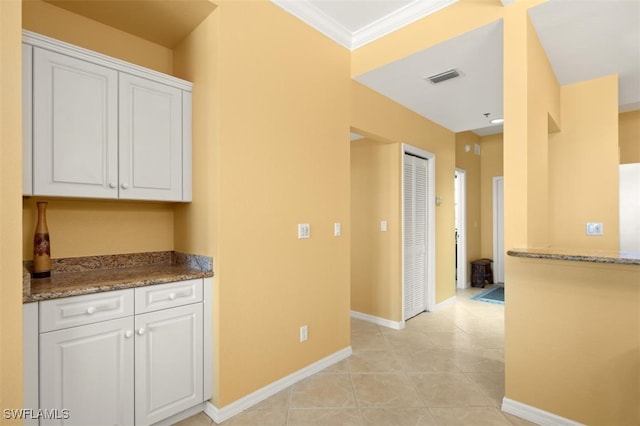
column 150, row 140
column 168, row 362
column 75, row 125
column 88, row 370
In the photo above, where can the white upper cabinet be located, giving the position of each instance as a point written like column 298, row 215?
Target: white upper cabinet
column 75, row 127
column 150, row 140
column 104, row 128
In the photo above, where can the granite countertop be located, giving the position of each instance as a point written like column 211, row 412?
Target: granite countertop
column 85, row 275
column 593, row 256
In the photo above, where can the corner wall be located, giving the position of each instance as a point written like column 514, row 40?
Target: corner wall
column 629, row 137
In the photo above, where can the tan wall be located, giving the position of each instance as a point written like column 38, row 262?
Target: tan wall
column 10, row 189
column 85, row 227
column 375, row 255
column 490, row 167
column 629, row 134
column 583, row 166
column 471, row 163
column 283, row 160
column 573, row 339
column 374, row 114
column 60, row 24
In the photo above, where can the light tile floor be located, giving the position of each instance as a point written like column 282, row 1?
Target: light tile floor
column 444, row 368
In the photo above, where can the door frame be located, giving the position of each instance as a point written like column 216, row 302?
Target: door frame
column 430, row 284
column 461, row 206
column 498, row 249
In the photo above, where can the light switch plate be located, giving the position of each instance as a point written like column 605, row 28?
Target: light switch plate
column 594, row 228
column 383, row 226
column 304, row 231
column 337, row 229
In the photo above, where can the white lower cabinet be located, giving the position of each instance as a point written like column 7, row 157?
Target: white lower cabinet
column 86, row 373
column 135, row 369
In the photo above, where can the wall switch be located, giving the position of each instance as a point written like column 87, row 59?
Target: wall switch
column 594, row 228
column 383, row 226
column 303, row 333
column 304, row 230
column 337, row 229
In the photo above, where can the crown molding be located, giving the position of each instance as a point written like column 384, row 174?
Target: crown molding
column 396, row 20
column 317, row 19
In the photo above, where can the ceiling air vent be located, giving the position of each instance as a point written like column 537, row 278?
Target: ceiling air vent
column 443, row 76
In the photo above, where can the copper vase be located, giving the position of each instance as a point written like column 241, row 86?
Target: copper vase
column 41, row 244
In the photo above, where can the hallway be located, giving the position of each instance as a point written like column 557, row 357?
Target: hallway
column 444, row 368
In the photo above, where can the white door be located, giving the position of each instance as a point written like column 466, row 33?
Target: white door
column 498, row 229
column 168, row 362
column 75, row 127
column 88, row 370
column 150, row 140
column 415, row 196
column 461, row 228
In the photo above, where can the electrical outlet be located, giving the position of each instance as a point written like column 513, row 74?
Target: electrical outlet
column 383, row 226
column 303, row 333
column 337, row 229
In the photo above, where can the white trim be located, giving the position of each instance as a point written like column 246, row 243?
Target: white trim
column 444, row 304
column 396, row 325
column 507, row 2
column 314, row 17
column 219, row 415
column 431, row 222
column 58, row 46
column 535, row 415
column 189, row 412
column 498, row 261
column 461, row 275
column 396, row 20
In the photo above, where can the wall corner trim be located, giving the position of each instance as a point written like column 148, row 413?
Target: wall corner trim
column 535, row 415
column 396, row 325
column 219, row 415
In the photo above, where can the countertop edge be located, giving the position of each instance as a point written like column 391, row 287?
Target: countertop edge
column 620, row 258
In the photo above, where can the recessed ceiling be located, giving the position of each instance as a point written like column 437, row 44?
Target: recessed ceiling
column 163, row 22
column 583, row 40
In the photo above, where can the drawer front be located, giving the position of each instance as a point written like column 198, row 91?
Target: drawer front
column 162, row 296
column 86, row 309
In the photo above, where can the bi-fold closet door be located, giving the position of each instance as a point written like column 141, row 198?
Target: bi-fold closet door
column 415, row 231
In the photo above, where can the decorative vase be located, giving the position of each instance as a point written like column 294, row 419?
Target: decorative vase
column 41, row 244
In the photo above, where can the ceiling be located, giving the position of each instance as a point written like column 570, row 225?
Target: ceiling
column 583, row 40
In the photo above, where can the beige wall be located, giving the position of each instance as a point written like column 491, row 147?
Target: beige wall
column 629, row 134
column 583, row 166
column 471, row 164
column 10, row 221
column 490, row 167
column 375, row 255
column 283, row 160
column 373, row 114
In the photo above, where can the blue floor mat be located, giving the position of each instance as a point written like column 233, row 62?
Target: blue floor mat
column 494, row 295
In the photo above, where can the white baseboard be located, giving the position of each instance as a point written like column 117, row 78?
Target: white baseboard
column 450, row 301
column 396, row 325
column 198, row 408
column 221, row 414
column 535, row 415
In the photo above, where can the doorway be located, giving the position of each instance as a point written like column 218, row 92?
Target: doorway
column 418, row 231
column 498, row 229
column 460, row 196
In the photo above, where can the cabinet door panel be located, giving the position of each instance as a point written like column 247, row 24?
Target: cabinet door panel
column 88, row 371
column 75, row 127
column 150, row 140
column 168, row 362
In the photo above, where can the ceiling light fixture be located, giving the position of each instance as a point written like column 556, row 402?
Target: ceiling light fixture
column 443, row 76
column 497, row 121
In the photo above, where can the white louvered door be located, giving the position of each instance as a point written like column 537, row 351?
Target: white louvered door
column 415, row 182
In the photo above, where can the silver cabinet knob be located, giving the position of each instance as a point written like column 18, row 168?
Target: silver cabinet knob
column 128, row 334
column 112, row 185
column 124, row 186
column 141, row 331
column 91, row 310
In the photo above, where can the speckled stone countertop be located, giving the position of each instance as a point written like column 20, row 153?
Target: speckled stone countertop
column 94, row 274
column 593, row 256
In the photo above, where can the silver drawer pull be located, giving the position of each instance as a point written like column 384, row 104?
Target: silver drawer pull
column 128, row 334
column 172, row 296
column 91, row 310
